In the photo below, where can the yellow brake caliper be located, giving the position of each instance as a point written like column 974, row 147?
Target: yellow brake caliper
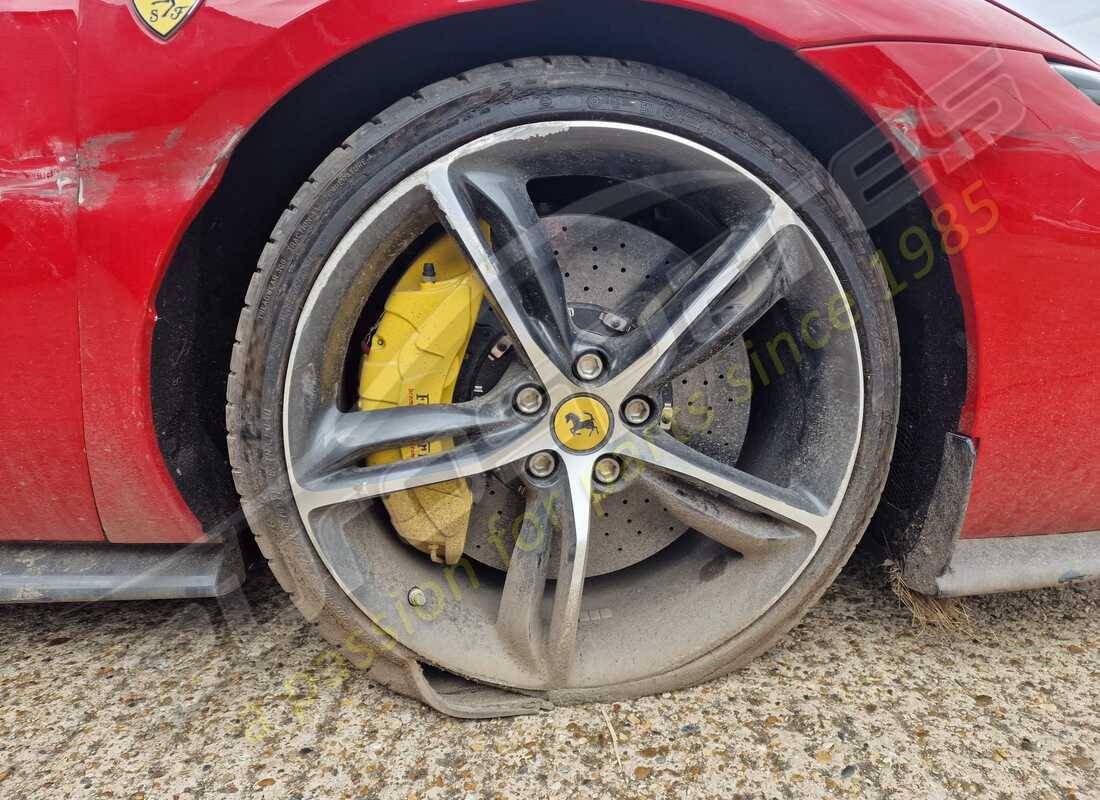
column 414, row 358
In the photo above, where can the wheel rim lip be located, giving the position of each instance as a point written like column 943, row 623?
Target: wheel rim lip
column 521, row 133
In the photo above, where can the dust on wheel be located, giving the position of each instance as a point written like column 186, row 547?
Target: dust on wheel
column 573, row 401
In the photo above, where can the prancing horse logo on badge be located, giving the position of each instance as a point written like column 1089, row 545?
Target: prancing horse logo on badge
column 577, row 425
column 581, row 423
column 163, row 18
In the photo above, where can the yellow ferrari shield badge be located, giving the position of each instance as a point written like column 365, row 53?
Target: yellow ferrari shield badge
column 163, row 18
column 582, row 423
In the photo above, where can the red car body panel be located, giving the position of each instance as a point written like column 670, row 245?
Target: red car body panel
column 47, row 490
column 150, row 126
column 1030, row 285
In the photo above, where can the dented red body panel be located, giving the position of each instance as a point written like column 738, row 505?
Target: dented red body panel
column 120, row 138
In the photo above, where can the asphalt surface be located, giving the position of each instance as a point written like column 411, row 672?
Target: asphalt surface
column 200, row 700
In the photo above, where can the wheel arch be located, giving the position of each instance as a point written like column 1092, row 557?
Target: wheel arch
column 203, row 288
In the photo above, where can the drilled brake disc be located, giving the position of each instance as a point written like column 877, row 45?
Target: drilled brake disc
column 606, row 263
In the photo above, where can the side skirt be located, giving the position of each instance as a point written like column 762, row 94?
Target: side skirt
column 985, row 566
column 44, row 572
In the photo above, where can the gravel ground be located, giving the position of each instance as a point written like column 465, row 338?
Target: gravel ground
column 189, row 700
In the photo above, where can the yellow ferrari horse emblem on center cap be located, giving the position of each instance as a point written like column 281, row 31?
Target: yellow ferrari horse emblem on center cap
column 582, row 423
column 164, row 17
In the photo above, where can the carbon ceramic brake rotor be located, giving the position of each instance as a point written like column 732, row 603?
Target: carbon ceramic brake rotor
column 604, row 263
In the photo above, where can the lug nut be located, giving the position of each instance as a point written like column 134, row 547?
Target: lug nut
column 589, row 366
column 417, row 598
column 637, row 410
column 542, row 465
column 608, row 469
column 528, row 400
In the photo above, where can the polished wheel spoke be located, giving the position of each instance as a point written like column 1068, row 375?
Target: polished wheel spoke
column 340, row 438
column 465, row 460
column 648, row 354
column 569, row 589
column 762, row 285
column 552, row 650
column 518, row 618
column 792, row 508
column 521, row 275
column 749, row 533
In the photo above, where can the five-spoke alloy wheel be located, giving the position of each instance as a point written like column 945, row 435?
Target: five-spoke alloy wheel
column 674, row 436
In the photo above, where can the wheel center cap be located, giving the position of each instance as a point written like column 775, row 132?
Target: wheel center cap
column 581, row 423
